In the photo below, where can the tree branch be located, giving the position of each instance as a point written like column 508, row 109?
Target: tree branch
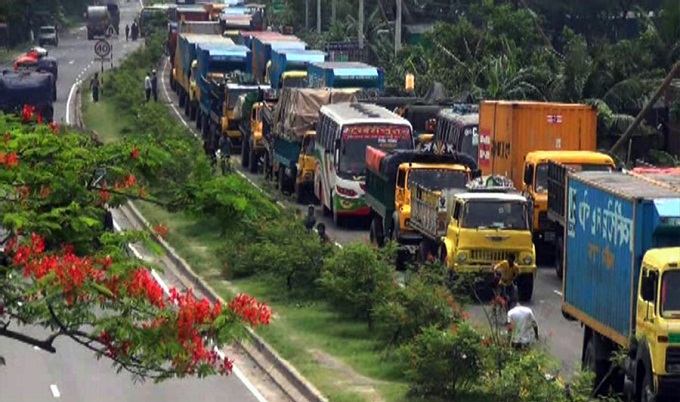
column 45, row 345
column 134, row 197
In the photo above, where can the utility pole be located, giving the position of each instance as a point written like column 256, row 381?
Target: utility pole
column 361, row 24
column 318, row 16
column 307, row 15
column 333, row 11
column 397, row 29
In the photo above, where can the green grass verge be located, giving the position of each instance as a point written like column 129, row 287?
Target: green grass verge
column 338, row 355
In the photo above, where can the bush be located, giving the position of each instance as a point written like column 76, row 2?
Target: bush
column 357, row 279
column 444, row 363
column 423, row 302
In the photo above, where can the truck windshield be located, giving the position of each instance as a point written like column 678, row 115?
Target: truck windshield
column 47, row 30
column 496, row 214
column 541, row 182
column 234, row 93
column 363, row 82
column 295, row 82
column 356, row 138
column 438, row 179
column 670, row 297
column 227, row 66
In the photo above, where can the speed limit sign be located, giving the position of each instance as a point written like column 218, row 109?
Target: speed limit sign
column 102, row 48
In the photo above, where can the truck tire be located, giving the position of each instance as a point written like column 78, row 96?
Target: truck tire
column 376, row 235
column 90, row 36
column 205, row 126
column 559, row 255
column 199, row 118
column 180, row 95
column 245, row 154
column 193, row 111
column 252, row 158
column 597, row 367
column 402, row 257
column 525, row 287
column 647, row 392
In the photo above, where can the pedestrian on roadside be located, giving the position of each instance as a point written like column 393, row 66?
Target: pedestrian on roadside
column 321, row 230
column 147, row 86
column 154, row 85
column 94, row 86
column 127, row 32
column 521, row 321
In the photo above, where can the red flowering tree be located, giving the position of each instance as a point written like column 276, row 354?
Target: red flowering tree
column 61, row 268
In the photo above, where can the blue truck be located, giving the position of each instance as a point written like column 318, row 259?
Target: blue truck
column 262, row 51
column 345, row 75
column 621, row 280
column 288, row 67
column 217, row 64
column 31, row 88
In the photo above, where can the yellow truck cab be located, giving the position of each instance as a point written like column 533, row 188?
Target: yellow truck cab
column 547, row 232
column 390, row 179
column 306, row 165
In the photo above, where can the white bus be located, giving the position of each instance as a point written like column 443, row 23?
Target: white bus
column 344, row 130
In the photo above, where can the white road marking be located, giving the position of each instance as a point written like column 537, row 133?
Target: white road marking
column 71, row 62
column 36, row 348
column 557, row 292
column 55, row 391
column 172, row 105
column 70, row 100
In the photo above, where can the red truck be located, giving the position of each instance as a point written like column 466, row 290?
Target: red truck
column 183, row 13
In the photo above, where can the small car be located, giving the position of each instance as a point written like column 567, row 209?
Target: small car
column 48, row 35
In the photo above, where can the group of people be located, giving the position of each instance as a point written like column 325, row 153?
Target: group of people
column 132, row 30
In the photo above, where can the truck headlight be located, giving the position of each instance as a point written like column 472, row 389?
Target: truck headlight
column 461, row 257
column 528, row 259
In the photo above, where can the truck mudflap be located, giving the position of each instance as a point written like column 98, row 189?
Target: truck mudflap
column 668, row 386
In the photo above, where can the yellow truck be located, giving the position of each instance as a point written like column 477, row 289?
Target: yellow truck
column 621, row 281
column 389, row 178
column 473, row 229
column 543, row 184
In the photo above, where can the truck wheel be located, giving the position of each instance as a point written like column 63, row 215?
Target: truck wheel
column 376, row 232
column 193, row 112
column 181, row 97
column 205, row 126
column 199, row 119
column 598, row 368
column 253, row 159
column 647, row 392
column 559, row 270
column 244, row 154
column 525, row 287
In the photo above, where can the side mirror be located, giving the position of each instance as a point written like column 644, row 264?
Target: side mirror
column 647, row 288
column 528, row 175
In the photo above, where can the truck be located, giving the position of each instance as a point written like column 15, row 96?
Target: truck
column 289, row 139
column 345, row 75
column 33, row 88
column 185, row 67
column 288, row 67
column 179, row 17
column 262, row 51
column 459, row 127
column 389, row 178
column 114, row 12
column 98, row 21
column 509, row 130
column 471, row 230
column 668, row 177
column 216, row 67
column 621, row 281
column 549, row 175
column 188, row 27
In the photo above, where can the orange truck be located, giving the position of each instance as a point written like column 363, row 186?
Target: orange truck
column 509, row 134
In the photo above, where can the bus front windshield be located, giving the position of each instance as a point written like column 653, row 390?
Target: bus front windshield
column 438, row 179
column 356, row 138
column 670, row 298
column 496, row 214
column 541, row 183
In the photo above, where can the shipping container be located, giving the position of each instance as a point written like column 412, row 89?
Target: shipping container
column 345, row 75
column 262, row 51
column 508, row 130
column 613, row 218
column 286, row 60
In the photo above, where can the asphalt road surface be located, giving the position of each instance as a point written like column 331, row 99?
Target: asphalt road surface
column 563, row 338
column 73, row 374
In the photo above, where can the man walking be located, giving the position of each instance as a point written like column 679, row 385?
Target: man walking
column 147, row 86
column 154, row 85
column 127, row 32
column 94, row 87
column 521, row 321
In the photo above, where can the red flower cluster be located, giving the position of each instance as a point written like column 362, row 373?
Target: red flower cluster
column 10, row 160
column 27, row 113
column 135, row 153
column 250, row 310
column 160, row 230
column 187, row 323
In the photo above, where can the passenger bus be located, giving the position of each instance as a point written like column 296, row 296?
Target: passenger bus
column 344, row 130
column 460, row 130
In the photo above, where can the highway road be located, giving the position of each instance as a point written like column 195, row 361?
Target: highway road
column 561, row 337
column 73, row 374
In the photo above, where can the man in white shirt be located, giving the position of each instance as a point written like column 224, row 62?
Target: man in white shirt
column 521, row 321
column 147, row 86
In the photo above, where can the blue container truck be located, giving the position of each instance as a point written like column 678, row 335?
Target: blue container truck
column 345, row 75
column 215, row 64
column 262, row 51
column 621, row 280
column 289, row 67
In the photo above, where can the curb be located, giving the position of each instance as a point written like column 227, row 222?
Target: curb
column 291, row 374
column 302, row 386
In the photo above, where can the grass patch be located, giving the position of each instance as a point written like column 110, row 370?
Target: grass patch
column 103, row 118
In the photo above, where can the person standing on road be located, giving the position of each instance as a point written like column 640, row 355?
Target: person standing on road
column 521, row 321
column 154, row 85
column 94, row 87
column 147, row 86
column 508, row 272
column 127, row 32
column 321, row 230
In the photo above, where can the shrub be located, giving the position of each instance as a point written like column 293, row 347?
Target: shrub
column 357, row 279
column 444, row 363
column 423, row 302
